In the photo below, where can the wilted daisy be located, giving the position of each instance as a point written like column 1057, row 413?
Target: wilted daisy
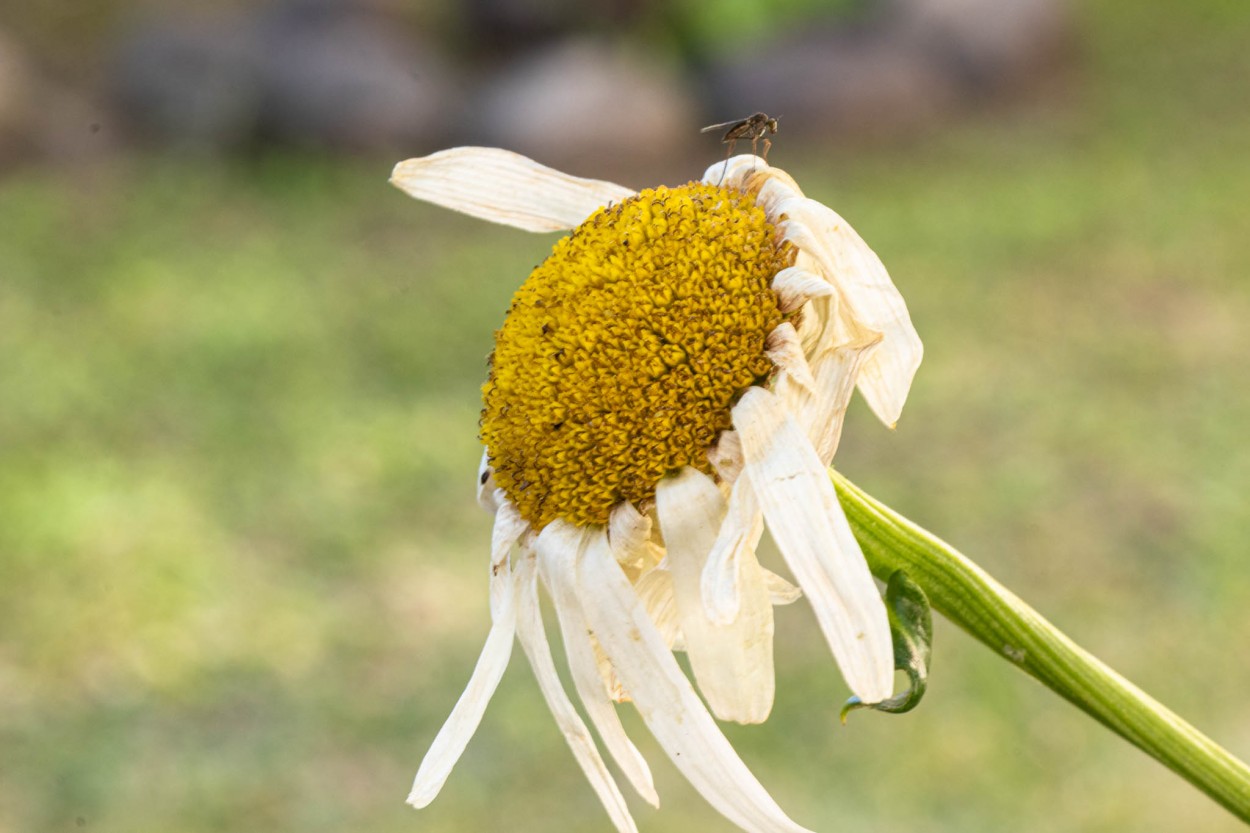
column 669, row 381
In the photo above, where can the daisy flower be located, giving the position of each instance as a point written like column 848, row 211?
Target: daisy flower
column 671, row 380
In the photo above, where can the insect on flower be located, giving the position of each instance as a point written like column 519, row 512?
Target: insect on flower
column 755, row 127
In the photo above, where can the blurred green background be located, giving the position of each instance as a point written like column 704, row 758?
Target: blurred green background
column 242, row 572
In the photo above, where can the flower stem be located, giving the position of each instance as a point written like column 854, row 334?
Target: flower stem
column 970, row 598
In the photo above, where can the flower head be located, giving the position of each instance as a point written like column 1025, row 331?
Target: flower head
column 671, row 379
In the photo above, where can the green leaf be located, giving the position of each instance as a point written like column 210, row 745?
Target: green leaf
column 911, row 627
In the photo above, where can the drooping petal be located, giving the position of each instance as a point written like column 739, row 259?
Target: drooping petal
column 796, row 286
column 655, row 591
column 836, row 347
column 736, row 540
column 586, row 677
column 726, row 456
column 628, row 529
column 785, row 350
column 534, row 641
column 811, row 325
column 869, row 295
column 616, row 691
column 454, row 736
column 504, row 187
column 663, row 695
column 821, row 409
column 813, row 535
column 629, row 534
column 733, row 661
column 508, row 529
column 773, row 188
column 770, row 180
column 488, row 493
column 781, row 591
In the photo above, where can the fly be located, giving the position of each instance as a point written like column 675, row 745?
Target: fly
column 756, row 127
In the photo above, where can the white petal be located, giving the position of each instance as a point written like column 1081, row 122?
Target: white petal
column 628, row 529
column 488, row 493
column 589, row 684
column 504, row 187
column 822, row 325
column 871, row 298
column 836, row 346
column 534, row 640
column 655, row 591
column 737, row 539
column 811, row 325
column 785, row 350
column 780, row 591
column 732, row 662
column 451, row 740
column 796, row 286
column 776, row 184
column 821, row 409
column 607, row 673
column 773, row 187
column 629, row 533
column 726, row 456
column 665, row 698
column 732, row 172
column 813, row 535
column 509, row 527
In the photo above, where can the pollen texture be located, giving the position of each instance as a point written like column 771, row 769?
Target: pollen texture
column 623, row 352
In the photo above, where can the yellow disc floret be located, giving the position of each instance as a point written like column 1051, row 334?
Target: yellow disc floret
column 622, row 353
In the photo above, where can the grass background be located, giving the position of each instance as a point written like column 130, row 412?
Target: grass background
column 242, row 574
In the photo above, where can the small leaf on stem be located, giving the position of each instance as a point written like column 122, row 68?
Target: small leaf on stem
column 911, row 626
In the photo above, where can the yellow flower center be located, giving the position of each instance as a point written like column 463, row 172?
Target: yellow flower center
column 623, row 352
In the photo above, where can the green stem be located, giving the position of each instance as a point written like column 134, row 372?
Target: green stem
column 970, row 598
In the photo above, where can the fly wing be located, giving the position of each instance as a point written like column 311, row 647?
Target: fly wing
column 721, row 126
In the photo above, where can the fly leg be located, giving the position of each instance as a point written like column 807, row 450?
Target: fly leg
column 728, row 153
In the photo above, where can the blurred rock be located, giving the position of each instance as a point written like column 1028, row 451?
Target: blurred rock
column 987, row 45
column 42, row 119
column 587, row 100
column 189, row 82
column 506, row 28
column 909, row 62
column 309, row 72
column 17, row 100
column 834, row 81
column 336, row 75
column 75, row 126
